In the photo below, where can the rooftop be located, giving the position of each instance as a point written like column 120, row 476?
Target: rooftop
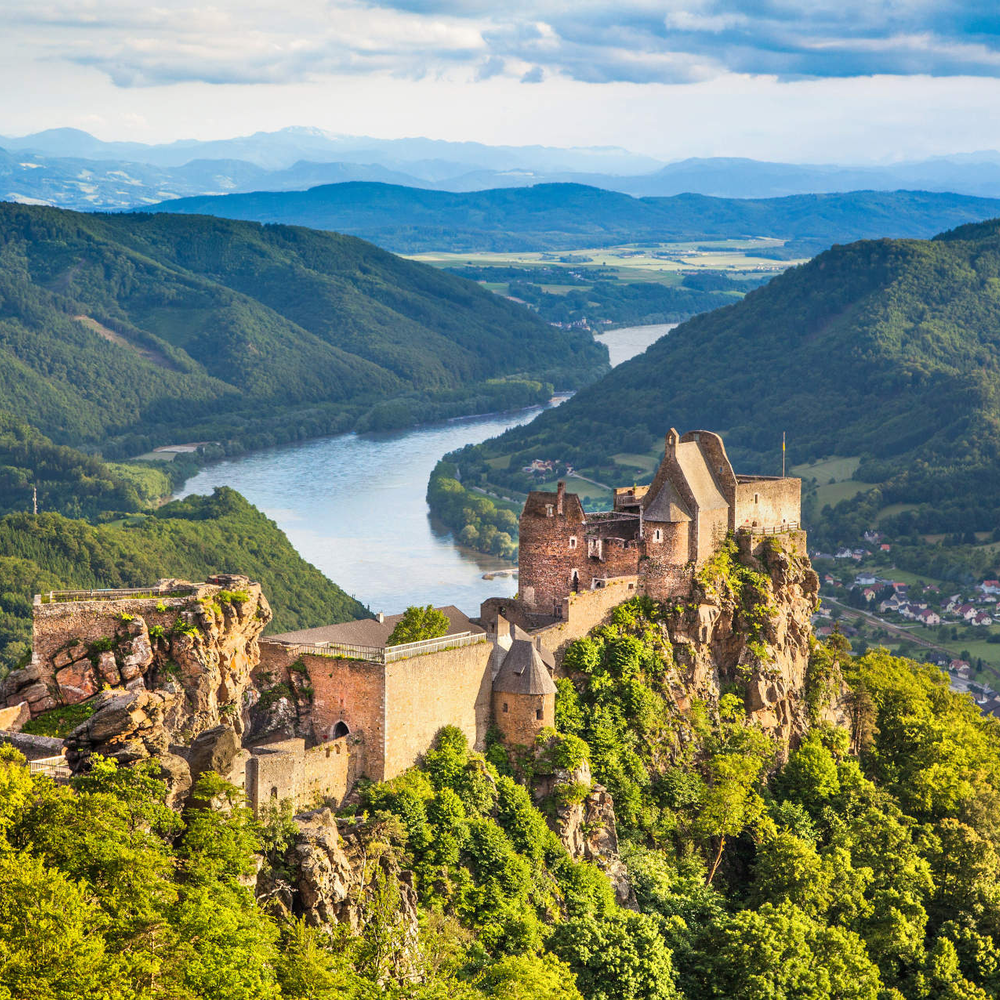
column 370, row 631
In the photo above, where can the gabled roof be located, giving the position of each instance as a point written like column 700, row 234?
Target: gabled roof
column 699, row 476
column 371, row 632
column 523, row 671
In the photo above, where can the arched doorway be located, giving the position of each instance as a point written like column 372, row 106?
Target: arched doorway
column 339, row 730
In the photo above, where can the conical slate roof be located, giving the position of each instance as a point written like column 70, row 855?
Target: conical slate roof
column 523, row 671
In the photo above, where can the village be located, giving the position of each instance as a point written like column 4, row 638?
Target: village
column 956, row 627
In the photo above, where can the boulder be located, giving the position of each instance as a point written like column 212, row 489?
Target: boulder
column 108, row 669
column 127, row 727
column 78, row 651
column 176, row 774
column 214, row 750
column 14, row 717
column 35, row 693
column 135, row 651
column 76, row 682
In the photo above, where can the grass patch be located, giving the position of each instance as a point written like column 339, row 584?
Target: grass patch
column 837, row 469
column 60, row 721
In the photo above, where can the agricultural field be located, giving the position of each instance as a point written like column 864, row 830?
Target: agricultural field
column 663, row 262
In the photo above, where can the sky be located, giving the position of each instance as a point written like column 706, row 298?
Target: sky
column 801, row 80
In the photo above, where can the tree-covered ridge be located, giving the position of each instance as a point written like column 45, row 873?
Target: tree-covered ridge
column 567, row 216
column 123, row 331
column 62, row 479
column 187, row 539
column 889, row 349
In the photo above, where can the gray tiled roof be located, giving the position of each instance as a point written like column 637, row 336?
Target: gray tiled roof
column 523, row 671
column 369, row 632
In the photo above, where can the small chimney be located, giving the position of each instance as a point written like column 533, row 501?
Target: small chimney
column 560, row 496
column 671, row 442
column 380, row 617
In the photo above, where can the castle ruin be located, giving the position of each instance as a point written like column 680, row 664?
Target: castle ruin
column 657, row 535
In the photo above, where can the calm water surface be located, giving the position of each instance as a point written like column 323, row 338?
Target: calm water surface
column 354, row 505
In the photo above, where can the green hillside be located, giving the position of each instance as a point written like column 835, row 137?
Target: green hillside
column 888, row 349
column 188, row 539
column 564, row 216
column 126, row 331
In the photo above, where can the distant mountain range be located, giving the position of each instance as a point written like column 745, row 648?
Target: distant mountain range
column 564, row 216
column 72, row 169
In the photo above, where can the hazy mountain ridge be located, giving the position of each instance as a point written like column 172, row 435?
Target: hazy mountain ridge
column 565, row 216
column 72, row 169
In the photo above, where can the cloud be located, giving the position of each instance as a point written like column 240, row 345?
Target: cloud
column 595, row 41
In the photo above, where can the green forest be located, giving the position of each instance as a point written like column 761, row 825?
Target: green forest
column 122, row 332
column 861, row 864
column 886, row 349
column 566, row 216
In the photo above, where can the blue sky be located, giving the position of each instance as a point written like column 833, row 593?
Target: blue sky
column 848, row 81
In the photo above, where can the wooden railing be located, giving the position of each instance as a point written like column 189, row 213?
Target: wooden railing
column 775, row 529
column 109, row 594
column 385, row 654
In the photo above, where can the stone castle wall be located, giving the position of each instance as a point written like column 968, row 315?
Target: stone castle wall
column 58, row 626
column 768, row 502
column 423, row 693
column 306, row 777
column 580, row 613
column 396, row 708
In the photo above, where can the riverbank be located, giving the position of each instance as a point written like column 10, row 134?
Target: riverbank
column 483, row 515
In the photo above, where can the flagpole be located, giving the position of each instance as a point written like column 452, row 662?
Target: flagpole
column 782, row 454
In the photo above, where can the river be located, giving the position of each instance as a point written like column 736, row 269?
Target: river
column 354, row 506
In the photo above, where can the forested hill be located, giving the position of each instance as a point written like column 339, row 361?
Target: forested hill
column 885, row 349
column 564, row 216
column 126, row 331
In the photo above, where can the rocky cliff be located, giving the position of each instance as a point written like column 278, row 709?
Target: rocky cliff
column 581, row 812
column 348, row 875
column 195, row 642
column 747, row 627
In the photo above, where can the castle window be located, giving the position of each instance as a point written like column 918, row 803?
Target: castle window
column 658, row 535
column 505, row 708
column 756, row 498
column 549, row 510
column 538, row 713
column 572, row 542
column 274, row 791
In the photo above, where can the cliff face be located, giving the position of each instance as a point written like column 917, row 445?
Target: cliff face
column 746, row 627
column 582, row 814
column 195, row 642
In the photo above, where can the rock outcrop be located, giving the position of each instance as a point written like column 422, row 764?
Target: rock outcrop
column 163, row 668
column 127, row 726
column 348, row 877
column 750, row 631
column 582, row 814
